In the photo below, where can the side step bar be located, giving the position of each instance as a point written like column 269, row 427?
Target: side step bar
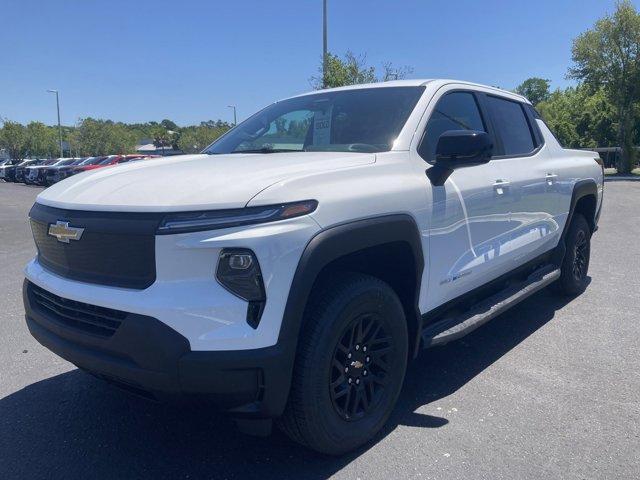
column 453, row 328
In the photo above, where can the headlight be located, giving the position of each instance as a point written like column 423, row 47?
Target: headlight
column 214, row 219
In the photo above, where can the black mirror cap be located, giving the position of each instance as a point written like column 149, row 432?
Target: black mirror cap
column 463, row 147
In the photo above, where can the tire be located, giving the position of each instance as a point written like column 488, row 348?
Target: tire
column 575, row 265
column 357, row 323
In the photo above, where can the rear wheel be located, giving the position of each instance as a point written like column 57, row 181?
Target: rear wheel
column 573, row 279
column 350, row 365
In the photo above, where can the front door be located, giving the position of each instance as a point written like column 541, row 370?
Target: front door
column 470, row 212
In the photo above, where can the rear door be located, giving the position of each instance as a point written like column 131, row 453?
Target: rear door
column 532, row 187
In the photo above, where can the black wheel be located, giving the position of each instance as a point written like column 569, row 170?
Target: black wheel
column 350, row 365
column 573, row 279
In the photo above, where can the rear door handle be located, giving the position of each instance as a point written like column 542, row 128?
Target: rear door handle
column 500, row 186
column 550, row 177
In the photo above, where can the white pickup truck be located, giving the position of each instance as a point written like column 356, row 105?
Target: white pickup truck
column 291, row 270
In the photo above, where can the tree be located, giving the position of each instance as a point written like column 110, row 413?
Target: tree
column 196, row 139
column 392, row 73
column 169, row 125
column 352, row 70
column 608, row 57
column 580, row 118
column 13, row 137
column 41, row 140
column 535, row 89
column 162, row 137
column 102, row 137
column 216, row 124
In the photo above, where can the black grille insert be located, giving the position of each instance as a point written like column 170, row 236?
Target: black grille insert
column 115, row 249
column 88, row 318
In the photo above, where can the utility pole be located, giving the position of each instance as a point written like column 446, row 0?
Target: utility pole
column 324, row 43
column 59, row 126
column 235, row 118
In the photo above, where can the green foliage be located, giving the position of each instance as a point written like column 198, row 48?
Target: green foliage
column 607, row 57
column 352, row 70
column 162, row 137
column 42, row 141
column 102, row 137
column 535, row 89
column 195, row 139
column 580, row 118
column 13, row 138
column 169, row 125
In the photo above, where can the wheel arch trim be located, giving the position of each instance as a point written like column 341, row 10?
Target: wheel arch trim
column 336, row 242
column 581, row 189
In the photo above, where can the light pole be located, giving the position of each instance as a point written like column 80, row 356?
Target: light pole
column 59, row 127
column 324, row 43
column 235, row 118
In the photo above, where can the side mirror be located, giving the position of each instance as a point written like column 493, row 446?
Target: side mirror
column 460, row 148
column 457, row 149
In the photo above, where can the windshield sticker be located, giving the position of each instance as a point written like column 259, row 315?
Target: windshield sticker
column 322, row 126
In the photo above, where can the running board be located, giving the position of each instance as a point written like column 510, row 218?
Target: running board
column 453, row 328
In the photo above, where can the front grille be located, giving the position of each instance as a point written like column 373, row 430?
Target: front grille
column 115, row 249
column 88, row 318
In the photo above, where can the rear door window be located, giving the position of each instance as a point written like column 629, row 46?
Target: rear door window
column 511, row 125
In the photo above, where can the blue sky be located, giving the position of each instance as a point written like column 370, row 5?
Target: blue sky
column 141, row 60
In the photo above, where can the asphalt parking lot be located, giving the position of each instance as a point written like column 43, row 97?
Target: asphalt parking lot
column 550, row 389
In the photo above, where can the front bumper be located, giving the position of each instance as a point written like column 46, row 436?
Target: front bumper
column 56, row 176
column 186, row 335
column 149, row 358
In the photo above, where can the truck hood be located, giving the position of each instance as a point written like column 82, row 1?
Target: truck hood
column 190, row 182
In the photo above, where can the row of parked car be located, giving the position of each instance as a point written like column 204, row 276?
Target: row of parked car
column 49, row 171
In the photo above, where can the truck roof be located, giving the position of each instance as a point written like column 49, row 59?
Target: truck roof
column 417, row 83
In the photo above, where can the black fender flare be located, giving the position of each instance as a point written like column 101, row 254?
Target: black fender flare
column 581, row 189
column 329, row 245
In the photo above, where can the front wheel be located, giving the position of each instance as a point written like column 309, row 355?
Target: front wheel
column 350, row 365
column 573, row 279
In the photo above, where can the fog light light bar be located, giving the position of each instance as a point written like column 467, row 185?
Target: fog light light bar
column 239, row 272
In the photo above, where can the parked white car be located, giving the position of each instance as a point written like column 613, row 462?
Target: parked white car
column 292, row 269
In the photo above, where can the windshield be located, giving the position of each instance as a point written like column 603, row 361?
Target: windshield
column 67, row 161
column 107, row 160
column 92, row 161
column 358, row 120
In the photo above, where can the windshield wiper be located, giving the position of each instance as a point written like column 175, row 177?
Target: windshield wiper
column 266, row 150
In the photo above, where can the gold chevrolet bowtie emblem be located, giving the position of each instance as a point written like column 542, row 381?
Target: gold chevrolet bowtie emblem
column 63, row 232
column 357, row 364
